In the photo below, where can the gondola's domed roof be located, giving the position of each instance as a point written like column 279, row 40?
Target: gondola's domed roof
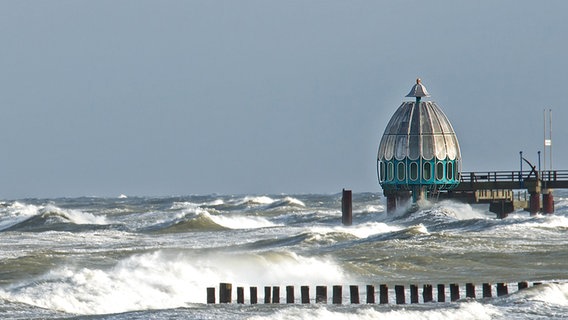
column 419, row 130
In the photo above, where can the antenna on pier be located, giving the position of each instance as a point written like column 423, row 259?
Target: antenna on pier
column 547, row 140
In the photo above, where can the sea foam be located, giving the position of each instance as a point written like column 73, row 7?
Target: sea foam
column 165, row 279
column 465, row 311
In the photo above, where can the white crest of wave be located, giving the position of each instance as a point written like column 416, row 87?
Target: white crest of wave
column 16, row 213
column 183, row 205
column 74, row 216
column 239, row 222
column 465, row 311
column 166, row 279
column 293, row 201
column 216, row 202
column 256, row 200
column 373, row 208
column 549, row 293
column 554, row 221
column 363, row 230
column 458, row 210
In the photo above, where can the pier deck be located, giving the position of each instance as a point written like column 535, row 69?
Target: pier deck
column 512, row 180
column 498, row 189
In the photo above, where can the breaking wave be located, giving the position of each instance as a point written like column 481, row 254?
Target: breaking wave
column 165, row 279
column 36, row 218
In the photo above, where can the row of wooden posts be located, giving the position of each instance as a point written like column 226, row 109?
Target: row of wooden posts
column 272, row 293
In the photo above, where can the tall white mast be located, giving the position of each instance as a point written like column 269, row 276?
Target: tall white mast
column 547, row 140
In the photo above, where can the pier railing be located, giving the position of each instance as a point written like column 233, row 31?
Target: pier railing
column 554, row 179
column 512, row 176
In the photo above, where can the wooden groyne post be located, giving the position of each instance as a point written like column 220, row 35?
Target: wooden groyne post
column 321, row 294
column 354, row 294
column 427, row 295
column 370, row 294
column 272, row 293
column 305, row 294
column 225, row 291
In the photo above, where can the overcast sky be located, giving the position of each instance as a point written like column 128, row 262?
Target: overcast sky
column 101, row 98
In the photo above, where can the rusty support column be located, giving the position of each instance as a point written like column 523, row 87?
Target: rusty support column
column 346, row 208
column 547, row 201
column 534, row 201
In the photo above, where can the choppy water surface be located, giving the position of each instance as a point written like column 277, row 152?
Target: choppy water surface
column 153, row 258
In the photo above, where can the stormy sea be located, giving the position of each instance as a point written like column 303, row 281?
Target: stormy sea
column 155, row 257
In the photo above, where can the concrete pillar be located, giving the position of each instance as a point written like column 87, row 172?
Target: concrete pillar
column 502, row 208
column 547, row 201
column 402, row 197
column 418, row 194
column 391, row 203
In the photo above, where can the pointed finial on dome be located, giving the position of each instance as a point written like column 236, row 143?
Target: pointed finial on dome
column 418, row 90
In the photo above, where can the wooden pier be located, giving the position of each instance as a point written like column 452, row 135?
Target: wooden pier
column 400, row 295
column 503, row 190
